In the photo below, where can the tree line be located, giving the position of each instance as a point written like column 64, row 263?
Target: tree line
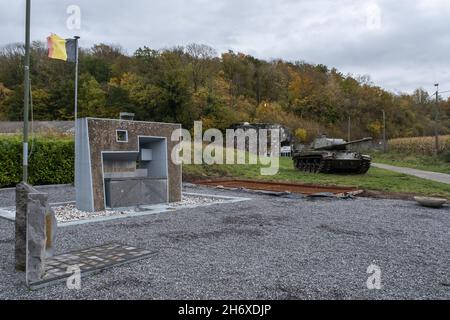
column 184, row 84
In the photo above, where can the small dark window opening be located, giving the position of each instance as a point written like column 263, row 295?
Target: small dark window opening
column 122, row 135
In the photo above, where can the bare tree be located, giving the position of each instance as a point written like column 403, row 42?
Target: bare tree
column 201, row 56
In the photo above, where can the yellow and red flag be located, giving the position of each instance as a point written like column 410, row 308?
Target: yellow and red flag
column 61, row 49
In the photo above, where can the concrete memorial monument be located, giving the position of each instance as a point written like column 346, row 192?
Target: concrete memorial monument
column 125, row 163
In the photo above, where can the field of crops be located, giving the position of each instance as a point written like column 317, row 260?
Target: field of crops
column 419, row 146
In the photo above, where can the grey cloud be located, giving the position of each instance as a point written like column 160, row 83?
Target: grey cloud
column 409, row 50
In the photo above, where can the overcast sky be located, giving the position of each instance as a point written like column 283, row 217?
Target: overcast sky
column 401, row 44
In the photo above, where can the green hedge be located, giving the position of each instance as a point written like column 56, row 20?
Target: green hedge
column 52, row 161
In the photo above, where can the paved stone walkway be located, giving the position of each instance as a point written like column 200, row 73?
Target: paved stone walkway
column 89, row 261
column 433, row 176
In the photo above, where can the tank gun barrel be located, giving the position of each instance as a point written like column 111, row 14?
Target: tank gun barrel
column 359, row 141
column 342, row 146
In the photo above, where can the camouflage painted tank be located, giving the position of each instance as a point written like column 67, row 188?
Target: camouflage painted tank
column 332, row 156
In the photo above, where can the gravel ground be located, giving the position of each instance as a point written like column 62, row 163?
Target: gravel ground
column 266, row 248
column 69, row 212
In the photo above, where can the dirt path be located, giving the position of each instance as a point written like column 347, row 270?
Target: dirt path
column 433, row 176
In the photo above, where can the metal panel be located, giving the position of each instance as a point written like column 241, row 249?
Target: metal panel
column 83, row 173
column 134, row 192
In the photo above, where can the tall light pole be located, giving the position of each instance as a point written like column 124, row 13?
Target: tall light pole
column 26, row 88
column 436, row 121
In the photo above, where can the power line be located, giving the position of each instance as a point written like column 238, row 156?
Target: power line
column 440, row 92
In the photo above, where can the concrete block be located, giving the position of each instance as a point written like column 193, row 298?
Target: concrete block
column 36, row 230
column 22, row 191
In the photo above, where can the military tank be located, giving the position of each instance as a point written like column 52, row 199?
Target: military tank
column 332, row 156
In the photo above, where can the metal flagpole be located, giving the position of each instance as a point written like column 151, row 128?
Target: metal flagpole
column 76, row 109
column 76, row 81
column 26, row 91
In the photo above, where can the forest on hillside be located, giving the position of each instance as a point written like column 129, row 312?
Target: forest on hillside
column 185, row 84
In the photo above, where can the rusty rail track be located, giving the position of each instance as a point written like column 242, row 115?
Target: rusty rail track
column 306, row 189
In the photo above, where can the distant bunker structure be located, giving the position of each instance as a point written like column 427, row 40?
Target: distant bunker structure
column 125, row 163
column 286, row 137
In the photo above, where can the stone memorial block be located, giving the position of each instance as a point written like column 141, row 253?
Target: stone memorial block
column 36, row 236
column 36, row 229
column 22, row 191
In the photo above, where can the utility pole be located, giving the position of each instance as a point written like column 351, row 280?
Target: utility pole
column 436, row 121
column 384, row 132
column 26, row 100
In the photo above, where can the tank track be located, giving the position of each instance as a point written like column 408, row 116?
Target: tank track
column 319, row 165
column 313, row 165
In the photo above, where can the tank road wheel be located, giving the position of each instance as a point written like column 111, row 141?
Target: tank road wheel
column 316, row 166
column 307, row 167
column 326, row 166
column 321, row 167
column 302, row 165
column 299, row 164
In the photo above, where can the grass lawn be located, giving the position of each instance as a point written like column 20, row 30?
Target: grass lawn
column 428, row 163
column 374, row 180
